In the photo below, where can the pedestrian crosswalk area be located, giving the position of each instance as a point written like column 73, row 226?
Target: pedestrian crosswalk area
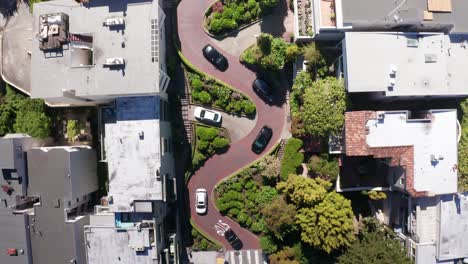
column 243, row 257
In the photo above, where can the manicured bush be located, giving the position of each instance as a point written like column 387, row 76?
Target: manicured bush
column 269, row 53
column 197, row 84
column 233, row 14
column 198, row 158
column 233, row 212
column 259, row 227
column 220, row 143
column 292, row 52
column 206, row 133
column 237, row 186
column 249, row 185
column 204, row 97
column 292, row 158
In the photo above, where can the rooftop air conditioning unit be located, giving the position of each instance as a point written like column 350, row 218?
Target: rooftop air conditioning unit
column 114, row 21
column 114, row 61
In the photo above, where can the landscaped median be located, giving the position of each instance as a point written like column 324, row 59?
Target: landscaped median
column 224, row 17
column 208, row 141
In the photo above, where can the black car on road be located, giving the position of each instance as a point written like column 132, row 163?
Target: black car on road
column 263, row 89
column 215, row 57
column 262, row 139
column 233, row 239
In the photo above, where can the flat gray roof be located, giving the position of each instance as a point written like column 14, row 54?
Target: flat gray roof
column 453, row 227
column 106, row 245
column 369, row 12
column 435, row 137
column 132, row 143
column 424, row 64
column 70, row 173
column 53, row 240
column 13, row 234
column 53, row 75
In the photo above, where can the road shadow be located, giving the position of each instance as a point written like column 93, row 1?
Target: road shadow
column 8, row 7
column 274, row 23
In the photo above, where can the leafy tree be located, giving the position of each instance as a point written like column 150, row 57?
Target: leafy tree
column 270, row 167
column 268, row 245
column 324, row 166
column 35, row 124
column 279, row 217
column 220, row 143
column 324, row 107
column 264, row 42
column 73, row 129
column 288, row 255
column 7, row 119
column 312, row 53
column 463, row 149
column 304, row 191
column 266, row 195
column 374, row 247
column 329, row 224
column 292, row 52
column 292, row 158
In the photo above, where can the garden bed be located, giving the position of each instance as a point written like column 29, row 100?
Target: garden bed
column 207, row 142
column 208, row 92
column 203, row 242
column 224, row 17
column 241, row 195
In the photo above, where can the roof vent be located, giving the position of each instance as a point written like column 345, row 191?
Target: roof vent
column 430, row 58
column 114, row 61
column 412, row 42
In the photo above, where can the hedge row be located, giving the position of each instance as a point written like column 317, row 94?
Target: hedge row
column 231, row 15
column 292, row 158
column 208, row 92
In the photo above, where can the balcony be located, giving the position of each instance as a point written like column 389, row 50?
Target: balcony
column 327, row 13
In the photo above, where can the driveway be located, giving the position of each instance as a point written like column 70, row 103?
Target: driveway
column 239, row 155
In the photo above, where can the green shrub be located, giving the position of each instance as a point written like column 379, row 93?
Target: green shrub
column 233, row 212
column 73, row 129
column 233, row 196
column 204, row 97
column 249, row 184
column 249, row 107
column 220, row 143
column 237, row 186
column 292, row 52
column 268, row 245
column 292, row 158
column 203, row 146
column 206, row 133
column 266, row 195
column 269, row 53
column 198, row 158
column 197, row 84
column 259, row 227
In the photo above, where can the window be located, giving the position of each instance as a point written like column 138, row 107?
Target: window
column 165, row 146
column 163, row 110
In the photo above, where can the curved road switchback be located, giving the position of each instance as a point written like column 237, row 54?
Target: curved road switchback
column 192, row 38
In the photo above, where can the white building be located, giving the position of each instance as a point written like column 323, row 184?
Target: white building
column 88, row 54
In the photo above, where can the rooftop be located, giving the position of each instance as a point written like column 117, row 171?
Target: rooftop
column 132, row 144
column 424, row 143
column 79, row 66
column 406, row 64
column 371, row 12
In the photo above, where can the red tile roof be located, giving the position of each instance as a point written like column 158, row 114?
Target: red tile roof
column 355, row 145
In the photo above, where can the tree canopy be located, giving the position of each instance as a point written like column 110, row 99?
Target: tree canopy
column 374, row 247
column 324, row 106
column 325, row 219
column 327, row 225
column 279, row 217
column 20, row 114
column 304, row 191
column 288, row 255
column 463, row 149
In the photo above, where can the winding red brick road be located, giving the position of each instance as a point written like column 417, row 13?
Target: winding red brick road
column 193, row 38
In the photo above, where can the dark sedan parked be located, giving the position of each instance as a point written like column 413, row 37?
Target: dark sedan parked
column 262, row 139
column 263, row 89
column 216, row 58
column 233, row 239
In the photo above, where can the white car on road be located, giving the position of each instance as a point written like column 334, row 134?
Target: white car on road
column 206, row 115
column 201, row 203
